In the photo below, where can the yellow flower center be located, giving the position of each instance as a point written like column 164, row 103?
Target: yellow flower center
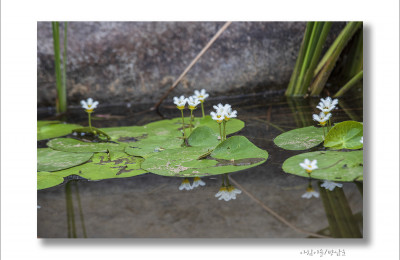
column 308, row 170
column 89, row 110
column 323, row 123
column 192, row 107
column 180, row 107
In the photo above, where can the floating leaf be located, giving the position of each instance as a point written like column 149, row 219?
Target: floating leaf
column 203, row 136
column 41, row 123
column 48, row 179
column 126, row 133
column 49, row 160
column 76, row 146
column 48, row 130
column 99, row 168
column 332, row 165
column 345, row 135
column 186, row 162
column 301, row 138
column 153, row 144
column 232, row 126
column 236, row 148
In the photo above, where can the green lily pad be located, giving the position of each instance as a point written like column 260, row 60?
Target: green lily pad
column 301, row 138
column 236, row 148
column 48, row 179
column 46, row 130
column 232, row 126
column 153, row 144
column 189, row 162
column 41, row 123
column 203, row 136
column 100, row 167
column 345, row 135
column 332, row 165
column 125, row 133
column 49, row 160
column 76, row 146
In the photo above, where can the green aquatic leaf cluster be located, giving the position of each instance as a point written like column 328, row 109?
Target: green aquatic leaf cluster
column 344, row 135
column 52, row 129
column 157, row 147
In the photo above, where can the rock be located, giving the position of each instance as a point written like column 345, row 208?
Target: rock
column 119, row 62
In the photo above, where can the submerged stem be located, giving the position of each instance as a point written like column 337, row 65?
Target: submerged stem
column 183, row 125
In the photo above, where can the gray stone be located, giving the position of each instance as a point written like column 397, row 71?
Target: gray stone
column 119, row 62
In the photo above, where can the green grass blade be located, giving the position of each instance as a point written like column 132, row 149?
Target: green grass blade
column 349, row 84
column 57, row 62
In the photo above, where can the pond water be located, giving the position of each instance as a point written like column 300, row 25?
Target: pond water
column 147, row 206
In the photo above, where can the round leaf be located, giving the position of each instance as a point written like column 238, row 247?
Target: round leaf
column 76, row 146
column 236, row 148
column 203, row 136
column 332, row 165
column 345, row 135
column 48, row 179
column 52, row 130
column 300, row 139
column 51, row 160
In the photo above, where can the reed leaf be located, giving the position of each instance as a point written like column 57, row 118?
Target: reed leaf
column 349, row 84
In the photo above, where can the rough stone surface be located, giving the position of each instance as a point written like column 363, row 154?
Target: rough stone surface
column 117, row 62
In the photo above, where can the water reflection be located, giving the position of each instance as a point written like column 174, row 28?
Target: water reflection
column 71, row 222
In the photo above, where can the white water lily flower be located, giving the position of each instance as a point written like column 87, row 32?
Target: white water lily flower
column 322, row 118
column 233, row 191
column 180, row 102
column 230, row 114
column 217, row 117
column 330, row 185
column 185, row 185
column 327, row 105
column 223, row 194
column 362, row 141
column 200, row 95
column 310, row 193
column 309, row 166
column 220, row 109
column 193, row 102
column 197, row 182
column 89, row 105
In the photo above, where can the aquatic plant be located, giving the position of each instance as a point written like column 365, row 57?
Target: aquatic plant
column 192, row 104
column 89, row 107
column 197, row 182
column 308, row 165
column 185, row 185
column 180, row 104
column 201, row 96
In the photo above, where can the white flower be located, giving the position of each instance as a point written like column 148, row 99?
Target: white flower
column 217, row 117
column 220, row 109
column 322, row 118
column 193, row 102
column 309, row 166
column 200, row 95
column 233, row 191
column 310, row 193
column 185, row 185
column 362, row 141
column 89, row 105
column 197, row 182
column 330, row 185
column 229, row 114
column 327, row 105
column 223, row 194
column 180, row 102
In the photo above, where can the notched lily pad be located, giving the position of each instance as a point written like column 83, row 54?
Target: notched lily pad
column 301, row 138
column 332, row 165
column 49, row 160
column 232, row 126
column 345, row 135
column 50, row 129
column 203, row 136
column 197, row 161
column 236, row 148
column 76, row 146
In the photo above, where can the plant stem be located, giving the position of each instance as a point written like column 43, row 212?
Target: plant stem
column 64, row 72
column 349, row 84
column 202, row 108
column 220, row 132
column 90, row 121
column 227, row 179
column 60, row 101
column 183, row 125
column 191, row 119
column 224, row 130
